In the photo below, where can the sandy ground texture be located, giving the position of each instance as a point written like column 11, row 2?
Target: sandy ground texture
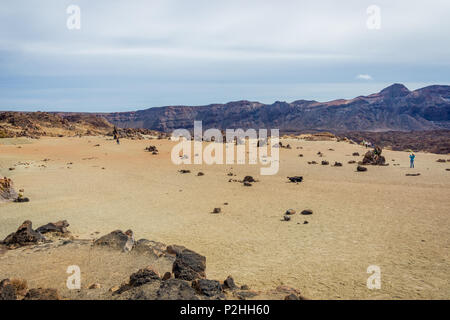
column 380, row 217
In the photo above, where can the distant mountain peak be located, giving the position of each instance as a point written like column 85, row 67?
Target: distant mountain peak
column 393, row 108
column 395, row 90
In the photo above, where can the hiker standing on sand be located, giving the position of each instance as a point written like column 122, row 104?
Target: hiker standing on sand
column 412, row 156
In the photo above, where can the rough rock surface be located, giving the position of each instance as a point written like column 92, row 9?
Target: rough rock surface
column 24, row 235
column 117, row 240
column 189, row 265
column 374, row 157
column 7, row 192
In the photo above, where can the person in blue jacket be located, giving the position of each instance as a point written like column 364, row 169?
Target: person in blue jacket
column 412, row 156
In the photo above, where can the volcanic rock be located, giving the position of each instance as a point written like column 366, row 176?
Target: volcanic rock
column 208, row 288
column 25, row 235
column 42, row 294
column 189, row 265
column 117, row 240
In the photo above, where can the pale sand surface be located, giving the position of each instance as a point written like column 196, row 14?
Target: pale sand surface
column 379, row 217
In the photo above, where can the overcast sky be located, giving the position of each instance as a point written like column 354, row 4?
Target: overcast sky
column 137, row 54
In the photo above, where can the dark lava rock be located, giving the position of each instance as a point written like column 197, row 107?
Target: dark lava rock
column 249, row 179
column 412, row 174
column 355, row 154
column 184, row 171
column 295, row 179
column 325, row 163
column 189, row 265
column 374, row 157
column 307, row 212
column 217, row 210
column 7, row 290
column 167, row 276
column 42, row 294
column 200, row 174
column 20, row 199
column 337, row 164
column 361, row 169
column 60, row 227
column 24, row 235
column 440, row 160
column 287, row 218
column 247, row 184
column 117, row 240
column 351, row 162
column 229, row 283
column 209, row 288
column 290, row 212
column 151, row 149
column 176, row 289
column 143, row 276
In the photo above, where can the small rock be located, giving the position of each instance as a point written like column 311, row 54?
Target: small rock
column 361, row 169
column 209, row 288
column 307, row 212
column 167, row 276
column 295, row 179
column 325, row 163
column 247, row 184
column 229, row 283
column 200, row 174
column 290, row 212
column 217, row 210
column 249, row 179
column 287, row 218
column 143, row 276
column 291, row 297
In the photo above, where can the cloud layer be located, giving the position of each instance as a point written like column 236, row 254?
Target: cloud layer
column 135, row 54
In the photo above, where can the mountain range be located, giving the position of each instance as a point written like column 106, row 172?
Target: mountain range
column 394, row 108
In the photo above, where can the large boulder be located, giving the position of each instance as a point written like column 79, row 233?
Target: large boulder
column 25, row 235
column 117, row 240
column 189, row 265
column 374, row 157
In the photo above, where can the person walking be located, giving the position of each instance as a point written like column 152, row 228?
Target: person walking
column 412, row 156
